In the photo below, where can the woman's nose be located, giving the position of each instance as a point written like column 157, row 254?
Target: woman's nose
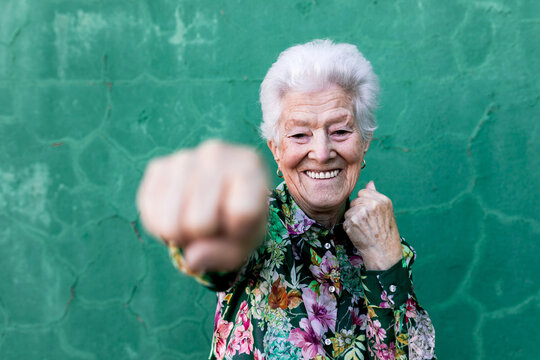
column 322, row 149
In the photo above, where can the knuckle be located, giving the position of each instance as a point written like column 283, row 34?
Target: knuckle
column 356, row 219
column 211, row 145
column 211, row 151
column 362, row 193
column 355, row 202
column 371, row 205
column 363, row 212
column 180, row 158
column 250, row 156
column 156, row 165
column 248, row 162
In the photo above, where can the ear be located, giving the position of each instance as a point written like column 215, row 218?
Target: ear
column 366, row 145
column 274, row 149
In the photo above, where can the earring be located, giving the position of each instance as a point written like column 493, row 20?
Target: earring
column 363, row 164
column 278, row 174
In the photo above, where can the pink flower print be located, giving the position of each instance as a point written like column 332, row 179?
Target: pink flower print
column 327, row 273
column 356, row 261
column 243, row 340
column 306, row 339
column 258, row 355
column 300, row 227
column 374, row 330
column 223, row 329
column 385, row 300
column 359, row 320
column 220, row 298
column 322, row 312
column 243, row 315
column 385, row 352
column 298, row 222
column 411, row 309
column 243, row 333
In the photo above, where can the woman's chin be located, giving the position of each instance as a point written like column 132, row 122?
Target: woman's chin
column 326, row 204
column 319, row 196
column 323, row 202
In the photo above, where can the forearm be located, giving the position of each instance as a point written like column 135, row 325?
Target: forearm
column 396, row 323
column 218, row 280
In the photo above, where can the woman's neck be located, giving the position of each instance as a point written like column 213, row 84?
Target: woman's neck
column 326, row 218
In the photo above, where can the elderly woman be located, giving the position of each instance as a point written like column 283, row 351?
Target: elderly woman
column 305, row 274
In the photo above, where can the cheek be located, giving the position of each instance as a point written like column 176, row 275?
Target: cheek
column 354, row 164
column 353, row 173
column 291, row 156
column 355, row 152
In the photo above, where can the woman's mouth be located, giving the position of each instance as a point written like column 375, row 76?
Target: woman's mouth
column 322, row 174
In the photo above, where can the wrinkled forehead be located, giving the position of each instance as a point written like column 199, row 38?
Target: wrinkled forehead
column 306, row 108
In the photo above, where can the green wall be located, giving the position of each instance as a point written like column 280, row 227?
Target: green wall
column 91, row 90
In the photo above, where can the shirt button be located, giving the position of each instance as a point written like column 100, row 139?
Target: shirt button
column 327, row 341
column 327, row 246
column 393, row 288
column 331, row 289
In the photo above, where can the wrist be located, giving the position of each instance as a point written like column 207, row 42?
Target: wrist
column 380, row 265
column 374, row 260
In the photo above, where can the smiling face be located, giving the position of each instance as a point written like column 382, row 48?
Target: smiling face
column 320, row 151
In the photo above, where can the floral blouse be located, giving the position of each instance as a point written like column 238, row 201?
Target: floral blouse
column 305, row 294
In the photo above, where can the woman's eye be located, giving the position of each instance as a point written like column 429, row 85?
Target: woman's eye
column 298, row 136
column 341, row 132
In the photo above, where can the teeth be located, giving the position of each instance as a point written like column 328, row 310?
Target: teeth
column 322, row 174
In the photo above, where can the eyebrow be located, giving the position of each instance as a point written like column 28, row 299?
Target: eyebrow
column 299, row 121
column 339, row 118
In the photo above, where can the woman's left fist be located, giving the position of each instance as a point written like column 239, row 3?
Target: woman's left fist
column 371, row 225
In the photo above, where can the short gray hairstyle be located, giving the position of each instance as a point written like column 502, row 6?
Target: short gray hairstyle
column 316, row 66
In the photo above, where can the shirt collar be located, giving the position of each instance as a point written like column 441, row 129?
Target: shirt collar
column 296, row 220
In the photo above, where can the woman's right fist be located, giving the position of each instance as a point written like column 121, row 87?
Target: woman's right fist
column 210, row 201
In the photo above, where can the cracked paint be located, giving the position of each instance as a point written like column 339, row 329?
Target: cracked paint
column 90, row 91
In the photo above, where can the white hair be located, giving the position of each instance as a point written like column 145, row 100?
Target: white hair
column 316, row 66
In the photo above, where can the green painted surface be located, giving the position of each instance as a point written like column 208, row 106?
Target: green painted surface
column 91, row 90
